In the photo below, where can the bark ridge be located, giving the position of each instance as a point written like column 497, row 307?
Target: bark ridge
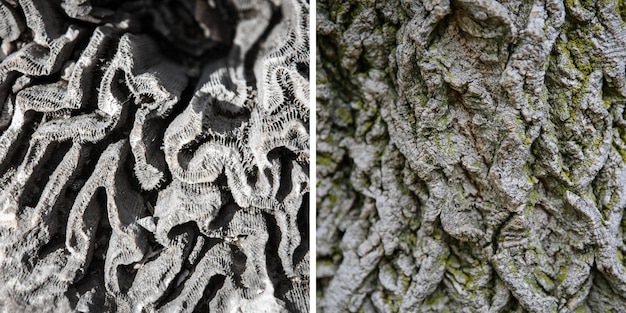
column 471, row 155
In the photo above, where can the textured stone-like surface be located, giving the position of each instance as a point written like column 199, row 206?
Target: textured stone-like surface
column 154, row 156
column 472, row 156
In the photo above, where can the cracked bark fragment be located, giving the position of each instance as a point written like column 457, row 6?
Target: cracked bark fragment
column 471, row 156
column 154, row 156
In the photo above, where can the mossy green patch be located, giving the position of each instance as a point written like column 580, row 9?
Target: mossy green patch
column 562, row 276
column 324, row 160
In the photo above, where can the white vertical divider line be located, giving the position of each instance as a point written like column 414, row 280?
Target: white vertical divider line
column 313, row 160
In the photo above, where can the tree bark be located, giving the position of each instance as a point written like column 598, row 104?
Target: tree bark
column 471, row 156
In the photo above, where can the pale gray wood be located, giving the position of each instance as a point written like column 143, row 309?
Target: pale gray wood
column 471, row 156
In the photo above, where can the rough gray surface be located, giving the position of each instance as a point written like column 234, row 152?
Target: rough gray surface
column 471, row 156
column 154, row 156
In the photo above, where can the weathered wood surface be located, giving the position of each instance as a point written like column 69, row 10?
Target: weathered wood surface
column 471, row 156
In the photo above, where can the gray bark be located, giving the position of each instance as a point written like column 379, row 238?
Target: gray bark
column 471, row 156
column 154, row 156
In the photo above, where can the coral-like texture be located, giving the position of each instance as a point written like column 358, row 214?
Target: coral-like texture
column 154, row 156
column 472, row 156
